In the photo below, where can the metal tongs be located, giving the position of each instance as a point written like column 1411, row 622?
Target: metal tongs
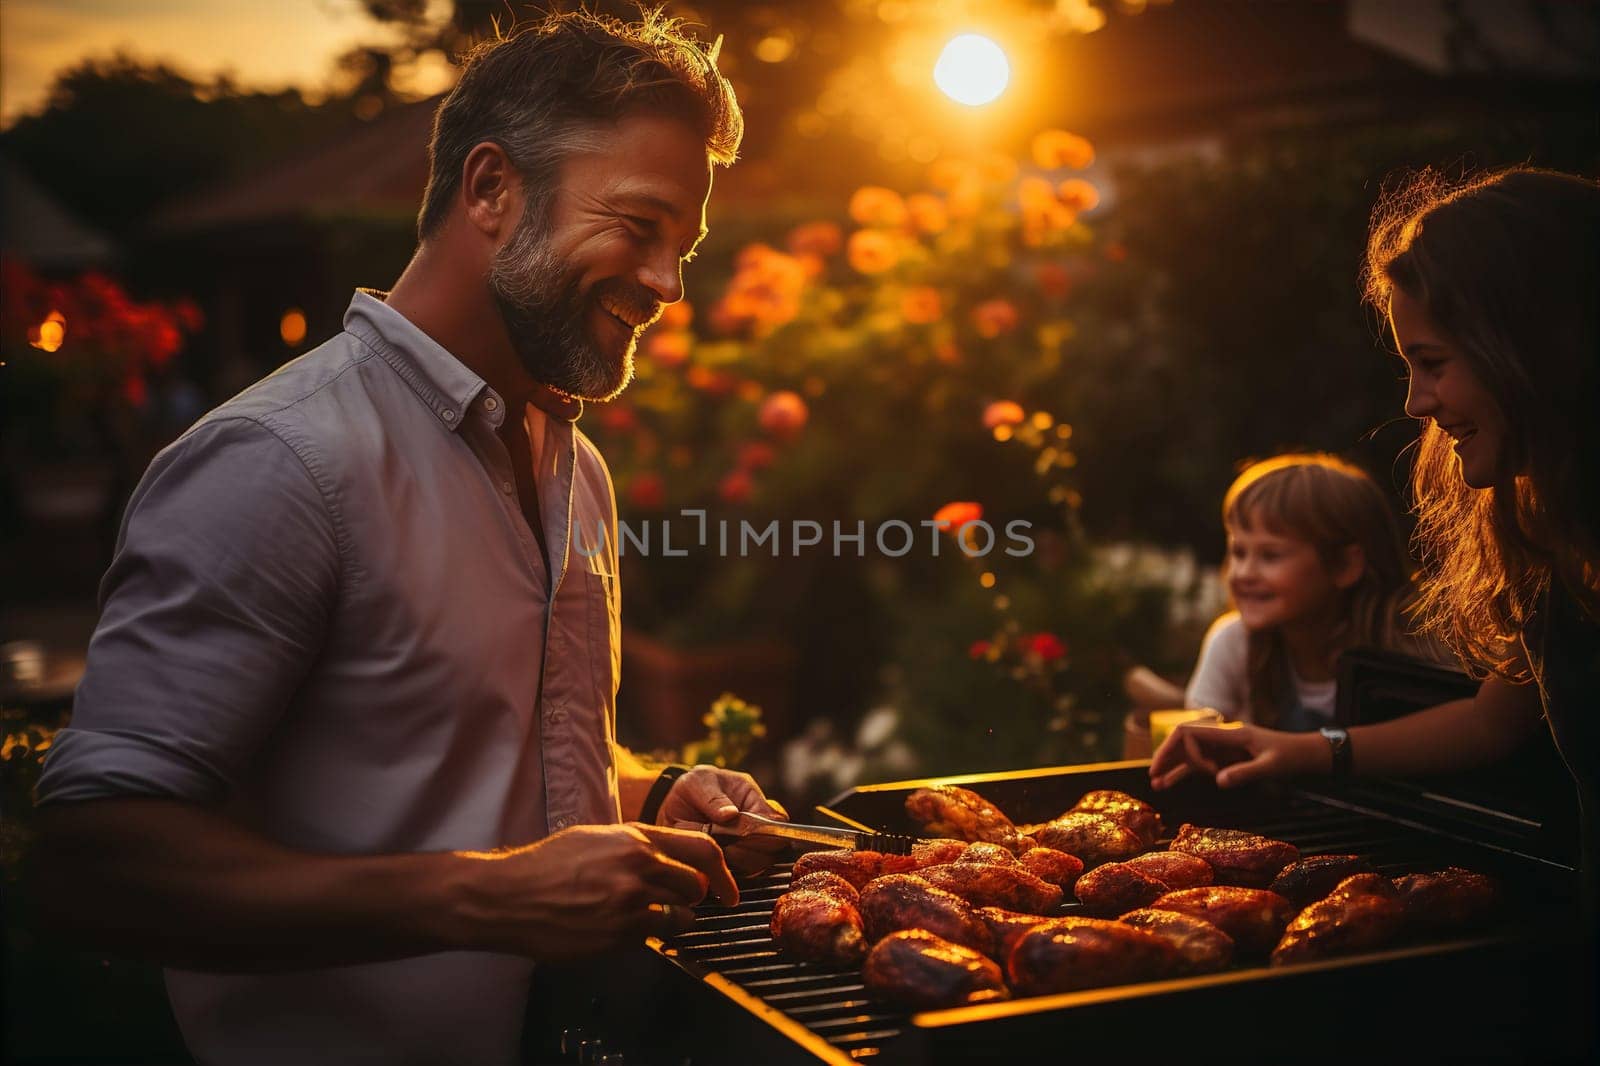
column 856, row 840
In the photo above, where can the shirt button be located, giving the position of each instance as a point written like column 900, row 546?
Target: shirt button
column 558, row 716
column 562, row 823
column 507, row 487
column 490, row 403
column 448, row 415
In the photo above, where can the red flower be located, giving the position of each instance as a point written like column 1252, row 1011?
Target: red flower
column 1046, row 646
column 979, row 649
column 994, row 317
column 647, row 492
column 618, row 418
column 735, row 487
column 958, row 514
column 756, row 455
column 783, row 414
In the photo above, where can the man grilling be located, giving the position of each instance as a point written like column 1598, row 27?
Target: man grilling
column 344, row 754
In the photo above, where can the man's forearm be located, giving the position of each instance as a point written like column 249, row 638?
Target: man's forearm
column 172, row 882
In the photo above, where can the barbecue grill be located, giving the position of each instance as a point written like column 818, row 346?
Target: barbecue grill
column 723, row 993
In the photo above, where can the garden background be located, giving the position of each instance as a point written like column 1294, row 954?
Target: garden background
column 1082, row 306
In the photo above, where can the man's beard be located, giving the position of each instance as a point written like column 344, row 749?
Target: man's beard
column 547, row 316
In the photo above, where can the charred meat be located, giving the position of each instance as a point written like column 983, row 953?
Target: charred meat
column 1304, row 882
column 1176, row 869
column 983, row 851
column 1116, row 888
column 1237, row 857
column 906, row 901
column 1006, row 927
column 1348, row 921
column 1056, row 867
column 917, row 969
column 950, row 811
column 1451, row 898
column 1068, row 954
column 829, row 883
column 993, row 885
column 1201, row 946
column 819, row 927
column 1093, row 838
column 1253, row 917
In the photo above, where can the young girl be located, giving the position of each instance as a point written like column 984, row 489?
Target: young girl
column 1490, row 289
column 1316, row 565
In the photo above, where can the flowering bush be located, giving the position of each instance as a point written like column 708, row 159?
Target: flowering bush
column 81, row 355
column 863, row 370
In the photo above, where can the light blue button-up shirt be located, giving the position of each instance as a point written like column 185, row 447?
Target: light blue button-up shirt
column 327, row 615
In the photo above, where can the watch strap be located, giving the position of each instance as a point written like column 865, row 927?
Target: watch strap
column 658, row 793
column 1339, row 743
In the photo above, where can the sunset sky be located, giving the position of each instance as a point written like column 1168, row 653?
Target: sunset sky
column 267, row 43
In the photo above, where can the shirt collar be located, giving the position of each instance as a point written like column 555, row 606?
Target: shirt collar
column 442, row 381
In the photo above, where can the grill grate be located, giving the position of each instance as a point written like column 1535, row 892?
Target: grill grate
column 735, row 944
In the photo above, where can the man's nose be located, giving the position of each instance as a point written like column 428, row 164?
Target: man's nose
column 664, row 279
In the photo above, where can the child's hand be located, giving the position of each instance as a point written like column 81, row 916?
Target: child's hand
column 1235, row 754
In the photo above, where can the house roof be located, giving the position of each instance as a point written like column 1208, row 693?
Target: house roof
column 35, row 228
column 375, row 168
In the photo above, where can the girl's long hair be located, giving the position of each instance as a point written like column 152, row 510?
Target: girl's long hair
column 1506, row 265
column 1331, row 505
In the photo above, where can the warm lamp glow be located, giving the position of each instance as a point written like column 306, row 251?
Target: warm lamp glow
column 292, row 327
column 48, row 335
column 972, row 70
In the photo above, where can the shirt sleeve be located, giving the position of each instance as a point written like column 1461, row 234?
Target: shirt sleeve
column 1221, row 675
column 212, row 612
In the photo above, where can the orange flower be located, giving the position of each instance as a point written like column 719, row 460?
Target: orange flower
column 750, row 391
column 713, row 382
column 1036, row 194
column 872, row 252
column 1078, row 195
column 947, row 353
column 676, row 316
column 820, row 239
column 647, row 492
column 668, row 349
column 873, row 205
column 921, row 305
column 928, row 214
column 957, row 514
column 1054, row 149
column 783, row 414
column 1002, row 413
column 994, row 317
column 997, row 168
column 966, row 199
column 946, row 174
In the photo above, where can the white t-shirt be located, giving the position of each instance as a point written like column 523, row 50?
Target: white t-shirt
column 1221, row 677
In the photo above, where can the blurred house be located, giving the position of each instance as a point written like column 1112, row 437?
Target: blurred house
column 36, row 229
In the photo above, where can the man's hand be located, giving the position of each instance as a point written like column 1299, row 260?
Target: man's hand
column 589, row 888
column 1236, row 754
column 709, row 796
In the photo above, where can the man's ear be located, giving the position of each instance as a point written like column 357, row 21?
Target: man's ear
column 1350, row 567
column 491, row 190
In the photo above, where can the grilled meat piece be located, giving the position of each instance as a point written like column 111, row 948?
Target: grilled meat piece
column 857, row 867
column 935, row 852
column 1344, row 923
column 1451, row 898
column 985, row 884
column 819, row 927
column 1312, row 878
column 1068, row 954
column 1253, row 917
column 1201, row 946
column 1176, row 868
column 983, row 851
column 1369, row 884
column 1056, row 867
column 1006, row 927
column 917, row 969
column 1117, row 888
column 1239, row 858
column 956, row 812
column 828, row 882
column 1127, row 811
column 906, row 901
column 1094, row 838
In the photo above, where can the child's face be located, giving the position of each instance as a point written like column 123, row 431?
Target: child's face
column 1276, row 579
column 1444, row 387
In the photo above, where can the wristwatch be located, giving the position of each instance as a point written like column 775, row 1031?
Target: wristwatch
column 658, row 793
column 1339, row 741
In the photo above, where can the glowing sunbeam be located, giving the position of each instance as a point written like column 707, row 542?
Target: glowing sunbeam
column 972, row 70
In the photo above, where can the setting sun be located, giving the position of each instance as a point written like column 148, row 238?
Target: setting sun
column 972, row 70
